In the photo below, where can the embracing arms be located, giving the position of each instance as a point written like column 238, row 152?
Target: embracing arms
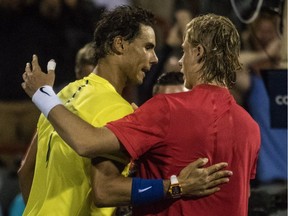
column 110, row 188
column 92, row 142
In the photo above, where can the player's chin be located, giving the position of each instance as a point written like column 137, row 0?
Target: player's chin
column 140, row 78
column 136, row 81
column 139, row 81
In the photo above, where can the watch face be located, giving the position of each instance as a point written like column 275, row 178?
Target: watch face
column 176, row 190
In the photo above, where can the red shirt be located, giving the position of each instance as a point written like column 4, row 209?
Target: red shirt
column 172, row 130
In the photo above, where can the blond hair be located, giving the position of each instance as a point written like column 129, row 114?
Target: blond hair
column 221, row 42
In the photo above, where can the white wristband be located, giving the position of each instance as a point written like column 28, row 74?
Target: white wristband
column 45, row 99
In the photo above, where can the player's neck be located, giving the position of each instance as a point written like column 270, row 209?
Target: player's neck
column 111, row 74
column 213, row 82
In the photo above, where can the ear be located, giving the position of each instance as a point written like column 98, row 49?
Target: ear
column 118, row 46
column 200, row 53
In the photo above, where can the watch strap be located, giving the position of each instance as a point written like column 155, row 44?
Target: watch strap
column 174, row 180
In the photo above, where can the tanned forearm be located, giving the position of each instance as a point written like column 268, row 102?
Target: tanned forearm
column 109, row 187
column 85, row 139
column 247, row 58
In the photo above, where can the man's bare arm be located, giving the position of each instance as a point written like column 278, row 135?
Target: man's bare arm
column 248, row 58
column 110, row 188
column 88, row 141
column 26, row 170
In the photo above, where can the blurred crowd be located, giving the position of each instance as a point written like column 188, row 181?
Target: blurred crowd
column 63, row 30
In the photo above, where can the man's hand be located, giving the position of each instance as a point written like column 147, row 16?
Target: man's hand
column 198, row 181
column 34, row 78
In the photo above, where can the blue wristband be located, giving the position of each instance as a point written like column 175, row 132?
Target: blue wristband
column 145, row 191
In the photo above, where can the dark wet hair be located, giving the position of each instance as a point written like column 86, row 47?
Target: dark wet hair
column 123, row 21
column 170, row 78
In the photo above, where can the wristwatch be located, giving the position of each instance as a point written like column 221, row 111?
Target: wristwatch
column 175, row 189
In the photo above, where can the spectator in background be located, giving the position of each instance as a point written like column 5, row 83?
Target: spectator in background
column 170, row 82
column 262, row 50
column 266, row 49
column 85, row 61
column 17, row 206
